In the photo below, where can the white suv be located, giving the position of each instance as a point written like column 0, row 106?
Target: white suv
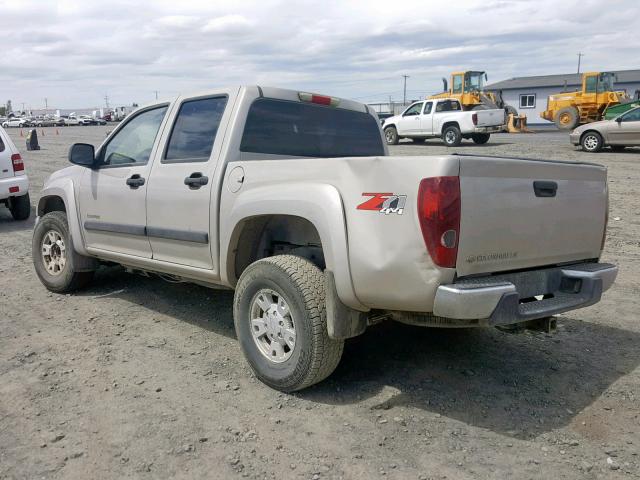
column 14, row 184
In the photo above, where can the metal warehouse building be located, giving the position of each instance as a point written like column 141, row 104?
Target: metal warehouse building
column 529, row 94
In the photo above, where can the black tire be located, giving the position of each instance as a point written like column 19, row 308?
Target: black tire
column 480, row 138
column 591, row 142
column 618, row 148
column 391, row 135
column 567, row 118
column 418, row 140
column 315, row 355
column 67, row 279
column 451, row 136
column 20, row 207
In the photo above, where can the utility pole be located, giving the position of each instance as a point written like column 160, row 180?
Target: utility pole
column 405, row 89
column 22, row 106
column 156, row 92
column 46, row 103
column 106, row 100
column 580, row 55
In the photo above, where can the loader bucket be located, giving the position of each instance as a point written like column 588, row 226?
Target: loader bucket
column 517, row 124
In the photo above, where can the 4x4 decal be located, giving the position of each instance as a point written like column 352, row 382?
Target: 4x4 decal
column 384, row 203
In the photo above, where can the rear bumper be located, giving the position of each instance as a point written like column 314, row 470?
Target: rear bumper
column 22, row 182
column 509, row 298
column 492, row 129
column 574, row 138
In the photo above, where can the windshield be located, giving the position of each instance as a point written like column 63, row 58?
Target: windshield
column 605, row 82
column 473, row 81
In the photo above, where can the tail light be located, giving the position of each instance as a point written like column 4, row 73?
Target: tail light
column 474, row 118
column 18, row 165
column 439, row 216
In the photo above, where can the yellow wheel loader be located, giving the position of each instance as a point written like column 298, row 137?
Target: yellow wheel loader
column 468, row 88
column 570, row 109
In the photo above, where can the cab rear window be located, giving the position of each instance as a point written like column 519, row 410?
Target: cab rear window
column 281, row 127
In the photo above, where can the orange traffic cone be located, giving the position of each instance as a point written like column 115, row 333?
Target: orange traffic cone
column 42, row 132
column 57, row 132
column 21, row 133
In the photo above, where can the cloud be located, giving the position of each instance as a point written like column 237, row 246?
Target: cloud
column 74, row 52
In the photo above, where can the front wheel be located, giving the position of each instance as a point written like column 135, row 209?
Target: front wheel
column 280, row 320
column 391, row 135
column 52, row 252
column 452, row 136
column 480, row 138
column 20, row 207
column 591, row 142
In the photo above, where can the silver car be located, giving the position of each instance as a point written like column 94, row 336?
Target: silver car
column 618, row 133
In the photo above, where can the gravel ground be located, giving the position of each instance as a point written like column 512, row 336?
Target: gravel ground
column 137, row 378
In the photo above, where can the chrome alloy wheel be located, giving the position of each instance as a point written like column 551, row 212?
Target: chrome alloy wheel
column 591, row 142
column 272, row 326
column 389, row 135
column 54, row 253
column 450, row 137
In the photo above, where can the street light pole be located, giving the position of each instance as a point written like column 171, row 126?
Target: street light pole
column 580, row 55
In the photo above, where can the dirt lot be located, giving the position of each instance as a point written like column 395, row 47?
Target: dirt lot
column 138, row 378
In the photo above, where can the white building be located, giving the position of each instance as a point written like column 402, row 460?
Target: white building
column 529, row 94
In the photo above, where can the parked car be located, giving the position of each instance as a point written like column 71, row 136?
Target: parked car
column 14, row 183
column 443, row 118
column 47, row 122
column 70, row 121
column 16, row 122
column 100, row 121
column 274, row 208
column 618, row 133
column 86, row 120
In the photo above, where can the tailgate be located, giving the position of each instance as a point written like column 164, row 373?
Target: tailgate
column 508, row 223
column 490, row 118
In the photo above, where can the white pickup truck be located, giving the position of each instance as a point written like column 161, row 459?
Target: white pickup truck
column 291, row 199
column 443, row 118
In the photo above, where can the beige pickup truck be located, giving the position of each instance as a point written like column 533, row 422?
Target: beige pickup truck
column 291, row 199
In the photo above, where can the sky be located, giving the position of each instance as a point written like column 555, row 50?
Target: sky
column 74, row 53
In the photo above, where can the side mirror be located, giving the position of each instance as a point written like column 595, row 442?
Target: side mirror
column 82, row 154
column 619, row 119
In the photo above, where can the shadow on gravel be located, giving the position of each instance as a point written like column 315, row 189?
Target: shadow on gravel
column 515, row 384
column 205, row 307
column 8, row 224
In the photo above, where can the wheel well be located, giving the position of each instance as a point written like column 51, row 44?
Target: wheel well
column 390, row 125
column 269, row 235
column 450, row 124
column 51, row 204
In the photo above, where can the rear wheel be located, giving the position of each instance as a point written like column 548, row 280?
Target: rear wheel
column 20, row 207
column 480, row 138
column 280, row 319
column 567, row 118
column 52, row 252
column 591, row 142
column 391, row 135
column 451, row 136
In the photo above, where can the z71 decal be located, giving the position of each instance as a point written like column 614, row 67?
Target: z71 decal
column 384, row 203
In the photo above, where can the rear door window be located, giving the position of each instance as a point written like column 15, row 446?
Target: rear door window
column 281, row 127
column 195, row 130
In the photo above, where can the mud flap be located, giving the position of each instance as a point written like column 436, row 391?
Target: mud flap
column 342, row 321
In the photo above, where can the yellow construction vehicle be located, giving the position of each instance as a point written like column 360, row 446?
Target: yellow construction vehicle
column 570, row 109
column 468, row 88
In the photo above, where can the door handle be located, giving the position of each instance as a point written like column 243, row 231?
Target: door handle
column 196, row 180
column 545, row 189
column 135, row 181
